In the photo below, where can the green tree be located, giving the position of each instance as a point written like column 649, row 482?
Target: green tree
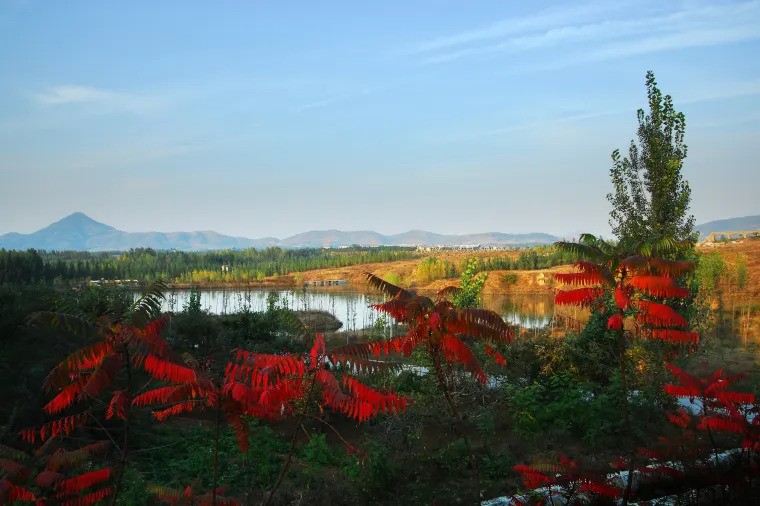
column 742, row 273
column 471, row 286
column 650, row 201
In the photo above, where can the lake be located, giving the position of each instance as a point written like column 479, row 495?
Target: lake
column 352, row 308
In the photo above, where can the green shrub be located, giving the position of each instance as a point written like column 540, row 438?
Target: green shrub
column 510, row 278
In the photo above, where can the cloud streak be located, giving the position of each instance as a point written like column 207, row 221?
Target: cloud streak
column 97, row 100
column 577, row 33
column 536, row 22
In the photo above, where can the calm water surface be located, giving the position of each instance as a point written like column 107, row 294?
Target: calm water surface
column 352, row 308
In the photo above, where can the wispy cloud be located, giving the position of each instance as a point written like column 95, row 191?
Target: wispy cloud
column 72, row 94
column 97, row 100
column 354, row 92
column 506, row 27
column 593, row 32
column 317, row 104
column 709, row 92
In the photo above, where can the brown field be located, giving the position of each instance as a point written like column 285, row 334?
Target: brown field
column 527, row 282
column 730, row 252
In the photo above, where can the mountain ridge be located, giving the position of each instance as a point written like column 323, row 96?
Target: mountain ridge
column 78, row 231
column 737, row 224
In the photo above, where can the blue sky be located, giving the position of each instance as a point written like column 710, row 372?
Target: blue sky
column 273, row 118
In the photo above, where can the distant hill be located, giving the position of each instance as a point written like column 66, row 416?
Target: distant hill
column 729, row 225
column 80, row 232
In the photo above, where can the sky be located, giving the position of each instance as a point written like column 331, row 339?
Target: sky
column 263, row 119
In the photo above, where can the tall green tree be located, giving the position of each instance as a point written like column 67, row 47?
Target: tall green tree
column 468, row 296
column 650, row 200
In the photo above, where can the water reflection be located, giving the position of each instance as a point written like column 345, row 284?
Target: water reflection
column 528, row 311
column 351, row 308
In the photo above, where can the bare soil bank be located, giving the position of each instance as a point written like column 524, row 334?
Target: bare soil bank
column 499, row 282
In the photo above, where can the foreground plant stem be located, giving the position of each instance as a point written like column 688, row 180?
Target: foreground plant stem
column 626, row 416
column 125, row 445
column 457, row 419
column 289, row 458
column 216, row 445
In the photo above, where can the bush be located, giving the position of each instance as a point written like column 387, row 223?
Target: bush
column 563, row 404
column 510, row 278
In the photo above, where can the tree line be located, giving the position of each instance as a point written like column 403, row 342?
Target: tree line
column 147, row 264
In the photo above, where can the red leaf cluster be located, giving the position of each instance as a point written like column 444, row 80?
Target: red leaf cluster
column 615, row 322
column 565, row 474
column 658, row 315
column 497, row 357
column 658, row 286
column 46, row 471
column 265, row 385
column 188, row 497
column 722, row 410
column 579, row 296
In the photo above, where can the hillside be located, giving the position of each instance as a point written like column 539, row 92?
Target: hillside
column 80, row 232
column 728, row 225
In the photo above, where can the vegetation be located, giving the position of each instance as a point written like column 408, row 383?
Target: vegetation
column 651, row 198
column 146, row 264
column 240, row 266
column 107, row 400
column 471, row 286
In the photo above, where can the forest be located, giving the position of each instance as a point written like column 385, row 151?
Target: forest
column 108, row 400
column 146, row 265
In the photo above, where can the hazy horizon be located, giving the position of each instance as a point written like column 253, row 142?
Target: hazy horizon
column 381, row 232
column 258, row 120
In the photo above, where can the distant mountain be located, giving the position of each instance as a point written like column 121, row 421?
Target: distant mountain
column 421, row 237
column 729, row 225
column 80, row 232
column 333, row 239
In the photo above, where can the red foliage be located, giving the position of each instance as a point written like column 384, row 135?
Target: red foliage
column 45, row 470
column 456, row 352
column 622, row 299
column 722, row 410
column 658, row 286
column 659, row 315
column 675, row 336
column 601, row 489
column 579, row 278
column 10, row 493
column 565, row 474
column 615, row 322
column 60, row 427
column 89, row 498
column 166, row 370
column 91, row 371
column 579, row 296
column 78, row 483
column 265, row 385
column 65, row 397
column 118, row 405
column 188, row 497
column 437, row 326
column 497, row 357
column 628, row 280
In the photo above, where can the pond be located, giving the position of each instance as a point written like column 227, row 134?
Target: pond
column 352, row 308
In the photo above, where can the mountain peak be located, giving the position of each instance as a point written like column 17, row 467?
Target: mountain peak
column 77, row 215
column 79, row 223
